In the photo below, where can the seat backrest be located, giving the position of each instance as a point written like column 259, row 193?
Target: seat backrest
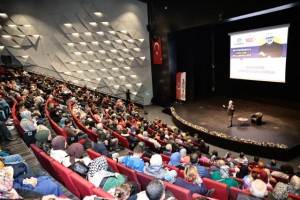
column 181, row 173
column 170, row 167
column 122, row 140
column 144, row 179
column 47, row 165
column 36, row 150
column 84, row 187
column 112, row 163
column 293, row 196
column 221, row 191
column 65, row 173
column 165, row 158
column 130, row 173
column 235, row 191
column 178, row 192
column 93, row 154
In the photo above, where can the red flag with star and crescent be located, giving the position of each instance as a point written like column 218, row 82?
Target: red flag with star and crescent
column 156, row 51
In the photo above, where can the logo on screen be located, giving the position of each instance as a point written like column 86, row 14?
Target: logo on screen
column 239, row 41
column 250, row 40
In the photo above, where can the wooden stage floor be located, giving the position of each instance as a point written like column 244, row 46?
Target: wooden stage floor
column 281, row 121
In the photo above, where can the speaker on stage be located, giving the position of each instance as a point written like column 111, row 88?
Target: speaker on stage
column 6, row 59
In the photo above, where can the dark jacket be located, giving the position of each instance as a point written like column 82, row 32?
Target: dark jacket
column 101, row 148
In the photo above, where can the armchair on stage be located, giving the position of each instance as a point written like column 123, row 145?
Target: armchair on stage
column 256, row 118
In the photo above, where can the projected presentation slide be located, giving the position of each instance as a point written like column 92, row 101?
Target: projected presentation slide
column 259, row 54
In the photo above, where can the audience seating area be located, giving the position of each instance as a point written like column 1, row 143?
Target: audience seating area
column 81, row 187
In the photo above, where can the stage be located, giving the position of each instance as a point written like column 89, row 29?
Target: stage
column 280, row 123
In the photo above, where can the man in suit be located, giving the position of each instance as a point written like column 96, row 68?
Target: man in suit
column 230, row 112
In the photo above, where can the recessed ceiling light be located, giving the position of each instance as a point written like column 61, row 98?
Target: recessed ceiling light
column 93, row 23
column 68, row 25
column 99, row 14
column 105, row 23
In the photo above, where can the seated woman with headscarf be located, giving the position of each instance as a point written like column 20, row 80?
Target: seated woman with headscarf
column 42, row 138
column 99, row 175
column 74, row 154
column 156, row 169
column 264, row 177
column 222, row 175
column 27, row 123
column 184, row 157
column 175, row 160
column 59, row 145
column 244, row 171
column 293, row 186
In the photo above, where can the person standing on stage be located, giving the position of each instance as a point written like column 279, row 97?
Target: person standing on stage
column 230, row 112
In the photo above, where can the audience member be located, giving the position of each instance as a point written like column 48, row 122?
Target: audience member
column 272, row 165
column 244, row 171
column 222, row 175
column 58, row 145
column 99, row 175
column 280, row 192
column 184, row 157
column 287, row 170
column 75, row 152
column 42, row 138
column 193, row 182
column 28, row 123
column 168, row 151
column 294, row 185
column 202, row 171
column 5, row 134
column 134, row 161
column 258, row 191
column 242, row 158
column 175, row 160
column 155, row 190
column 75, row 133
column 155, row 168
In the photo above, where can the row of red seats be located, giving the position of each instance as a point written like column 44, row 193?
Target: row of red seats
column 122, row 140
column 79, row 186
column 91, row 134
column 142, row 179
column 58, row 130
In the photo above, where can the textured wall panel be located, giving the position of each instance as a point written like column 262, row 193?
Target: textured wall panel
column 102, row 44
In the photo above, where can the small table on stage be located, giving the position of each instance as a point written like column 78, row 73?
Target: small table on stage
column 242, row 121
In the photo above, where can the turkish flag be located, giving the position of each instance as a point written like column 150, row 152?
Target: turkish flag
column 156, row 51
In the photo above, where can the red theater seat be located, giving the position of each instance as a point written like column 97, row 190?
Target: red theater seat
column 165, row 158
column 144, row 179
column 221, row 191
column 46, row 162
column 84, row 187
column 65, row 173
column 179, row 192
column 130, row 173
column 235, row 191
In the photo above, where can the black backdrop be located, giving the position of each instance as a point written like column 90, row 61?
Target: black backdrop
column 197, row 50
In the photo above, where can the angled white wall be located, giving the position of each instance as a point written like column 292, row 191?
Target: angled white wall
column 102, row 44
